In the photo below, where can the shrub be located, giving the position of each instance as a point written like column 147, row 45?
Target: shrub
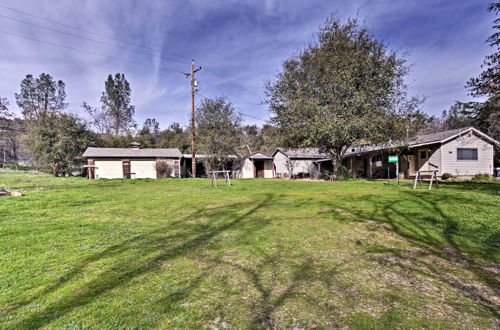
column 446, row 176
column 481, row 177
column 343, row 173
column 163, row 169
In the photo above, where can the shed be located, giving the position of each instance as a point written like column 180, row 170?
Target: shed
column 134, row 163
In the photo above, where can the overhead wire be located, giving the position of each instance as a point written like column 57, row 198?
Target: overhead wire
column 90, row 39
column 86, row 51
column 208, row 68
column 91, row 32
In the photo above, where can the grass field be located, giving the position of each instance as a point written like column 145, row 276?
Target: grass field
column 177, row 253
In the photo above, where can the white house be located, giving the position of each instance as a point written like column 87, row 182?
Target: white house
column 257, row 165
column 306, row 162
column 134, row 163
column 461, row 152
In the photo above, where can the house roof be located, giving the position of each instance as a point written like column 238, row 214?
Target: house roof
column 421, row 140
column 259, row 155
column 302, row 153
column 189, row 156
column 132, row 153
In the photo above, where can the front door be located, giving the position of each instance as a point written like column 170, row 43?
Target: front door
column 411, row 165
column 126, row 169
column 423, row 158
column 259, row 169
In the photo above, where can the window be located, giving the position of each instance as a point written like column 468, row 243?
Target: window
column 466, row 154
column 423, row 154
column 377, row 158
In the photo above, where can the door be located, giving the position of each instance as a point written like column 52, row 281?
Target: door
column 143, row 169
column 108, row 169
column 126, row 169
column 259, row 169
column 411, row 165
column 423, row 157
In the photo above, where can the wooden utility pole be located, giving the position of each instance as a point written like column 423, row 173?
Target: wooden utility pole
column 194, row 84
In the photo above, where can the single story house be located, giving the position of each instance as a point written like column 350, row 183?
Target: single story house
column 462, row 152
column 300, row 162
column 256, row 165
column 134, row 162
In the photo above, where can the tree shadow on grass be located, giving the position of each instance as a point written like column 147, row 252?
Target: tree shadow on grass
column 434, row 236
column 155, row 247
column 274, row 289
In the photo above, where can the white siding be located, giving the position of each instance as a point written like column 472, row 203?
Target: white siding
column 247, row 171
column 433, row 157
column 143, row 169
column 268, row 169
column 299, row 165
column 467, row 168
column 280, row 162
column 304, row 166
column 108, row 169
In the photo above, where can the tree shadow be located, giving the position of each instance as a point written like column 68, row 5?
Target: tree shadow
column 439, row 241
column 273, row 293
column 156, row 247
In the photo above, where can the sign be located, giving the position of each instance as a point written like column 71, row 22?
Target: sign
column 393, row 159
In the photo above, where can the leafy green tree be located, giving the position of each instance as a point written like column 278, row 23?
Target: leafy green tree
column 486, row 115
column 218, row 124
column 116, row 105
column 263, row 139
column 59, row 141
column 175, row 137
column 149, row 135
column 345, row 88
column 42, row 95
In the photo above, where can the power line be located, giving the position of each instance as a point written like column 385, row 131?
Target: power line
column 209, row 69
column 90, row 32
column 90, row 39
column 86, row 51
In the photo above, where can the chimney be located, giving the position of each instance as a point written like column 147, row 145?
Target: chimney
column 135, row 145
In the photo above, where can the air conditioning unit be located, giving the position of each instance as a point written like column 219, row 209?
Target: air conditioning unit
column 377, row 163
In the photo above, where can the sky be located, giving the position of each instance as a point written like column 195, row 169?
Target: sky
column 239, row 44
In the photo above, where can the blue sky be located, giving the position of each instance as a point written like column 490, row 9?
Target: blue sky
column 240, row 44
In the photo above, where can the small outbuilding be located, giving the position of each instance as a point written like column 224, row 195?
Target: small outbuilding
column 257, row 165
column 300, row 162
column 132, row 163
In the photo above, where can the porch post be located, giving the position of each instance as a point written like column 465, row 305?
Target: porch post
column 370, row 174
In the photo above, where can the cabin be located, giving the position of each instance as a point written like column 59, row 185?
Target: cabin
column 461, row 152
column 256, row 165
column 131, row 163
column 300, row 162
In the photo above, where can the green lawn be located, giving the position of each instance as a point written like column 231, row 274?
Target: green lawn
column 177, row 253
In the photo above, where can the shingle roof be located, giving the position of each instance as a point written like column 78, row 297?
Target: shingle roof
column 132, row 153
column 259, row 155
column 302, row 153
column 419, row 140
column 436, row 137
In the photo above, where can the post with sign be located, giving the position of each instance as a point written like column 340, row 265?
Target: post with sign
column 394, row 159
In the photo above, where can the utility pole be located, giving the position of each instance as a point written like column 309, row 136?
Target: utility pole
column 194, row 84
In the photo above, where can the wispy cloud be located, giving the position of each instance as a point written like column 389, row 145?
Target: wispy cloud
column 240, row 44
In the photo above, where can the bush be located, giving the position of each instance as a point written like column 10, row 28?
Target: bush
column 446, row 176
column 482, row 177
column 163, row 169
column 343, row 173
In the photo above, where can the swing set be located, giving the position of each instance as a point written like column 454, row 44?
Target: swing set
column 418, row 177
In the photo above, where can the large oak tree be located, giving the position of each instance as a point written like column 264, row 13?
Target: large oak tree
column 345, row 88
